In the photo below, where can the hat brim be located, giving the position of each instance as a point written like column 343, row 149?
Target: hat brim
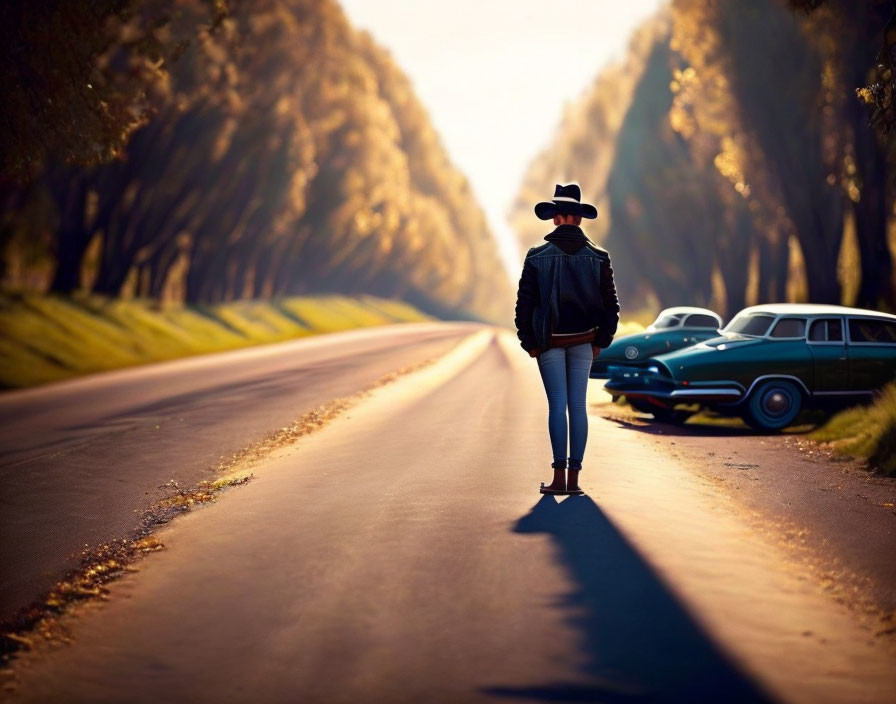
column 547, row 210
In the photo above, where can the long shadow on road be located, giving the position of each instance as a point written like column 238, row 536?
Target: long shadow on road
column 639, row 643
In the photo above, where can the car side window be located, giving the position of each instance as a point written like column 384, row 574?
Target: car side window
column 667, row 321
column 826, row 330
column 835, row 330
column 701, row 320
column 789, row 327
column 868, row 330
column 818, row 332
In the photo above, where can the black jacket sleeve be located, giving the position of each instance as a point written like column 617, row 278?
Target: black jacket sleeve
column 526, row 300
column 610, row 316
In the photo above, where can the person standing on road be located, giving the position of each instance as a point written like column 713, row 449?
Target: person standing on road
column 566, row 311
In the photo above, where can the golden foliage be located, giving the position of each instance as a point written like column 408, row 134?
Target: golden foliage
column 737, row 152
column 583, row 147
column 284, row 153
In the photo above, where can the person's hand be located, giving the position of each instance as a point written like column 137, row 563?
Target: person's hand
column 595, row 350
column 533, row 353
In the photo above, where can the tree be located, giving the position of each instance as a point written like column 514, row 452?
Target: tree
column 850, row 35
column 798, row 142
column 288, row 155
column 79, row 77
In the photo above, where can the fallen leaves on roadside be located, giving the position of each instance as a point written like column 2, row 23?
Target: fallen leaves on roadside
column 100, row 565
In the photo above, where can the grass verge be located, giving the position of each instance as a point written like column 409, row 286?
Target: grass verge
column 46, row 338
column 865, row 431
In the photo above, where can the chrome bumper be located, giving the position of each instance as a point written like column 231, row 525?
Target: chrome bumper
column 619, row 387
column 702, row 392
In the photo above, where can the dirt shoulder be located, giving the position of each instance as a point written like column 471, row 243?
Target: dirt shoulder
column 837, row 517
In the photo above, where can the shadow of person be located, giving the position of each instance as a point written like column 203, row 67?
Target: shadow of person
column 639, row 642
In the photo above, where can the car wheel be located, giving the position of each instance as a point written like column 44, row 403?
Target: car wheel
column 642, row 406
column 773, row 405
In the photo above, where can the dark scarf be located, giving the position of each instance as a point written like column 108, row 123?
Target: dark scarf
column 569, row 238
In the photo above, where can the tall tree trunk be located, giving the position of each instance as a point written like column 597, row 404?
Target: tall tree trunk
column 73, row 235
column 782, row 269
column 819, row 227
column 774, row 265
column 160, row 265
column 71, row 246
column 871, row 214
column 262, row 285
column 241, row 273
column 794, row 140
column 144, row 272
column 733, row 255
column 115, row 264
column 195, row 276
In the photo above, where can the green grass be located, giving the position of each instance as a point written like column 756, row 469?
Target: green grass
column 45, row 338
column 866, row 431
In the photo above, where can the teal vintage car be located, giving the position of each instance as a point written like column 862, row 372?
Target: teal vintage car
column 768, row 363
column 673, row 329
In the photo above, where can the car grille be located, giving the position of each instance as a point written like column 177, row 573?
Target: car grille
column 653, row 376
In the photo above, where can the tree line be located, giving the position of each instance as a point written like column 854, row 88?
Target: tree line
column 742, row 153
column 203, row 151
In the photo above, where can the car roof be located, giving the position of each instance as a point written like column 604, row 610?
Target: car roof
column 683, row 310
column 813, row 309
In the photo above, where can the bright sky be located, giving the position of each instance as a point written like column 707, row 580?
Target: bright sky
column 495, row 76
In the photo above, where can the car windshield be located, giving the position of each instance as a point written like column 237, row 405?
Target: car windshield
column 666, row 320
column 755, row 324
column 701, row 320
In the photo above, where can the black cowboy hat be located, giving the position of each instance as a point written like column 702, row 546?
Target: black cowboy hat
column 566, row 201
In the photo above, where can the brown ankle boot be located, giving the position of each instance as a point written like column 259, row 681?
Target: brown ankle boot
column 572, row 482
column 558, row 485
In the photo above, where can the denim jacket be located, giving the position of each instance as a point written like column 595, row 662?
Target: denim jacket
column 566, row 286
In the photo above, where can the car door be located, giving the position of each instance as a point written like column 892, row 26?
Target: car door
column 830, row 357
column 872, row 342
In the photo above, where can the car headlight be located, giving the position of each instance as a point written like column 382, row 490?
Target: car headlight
column 653, row 369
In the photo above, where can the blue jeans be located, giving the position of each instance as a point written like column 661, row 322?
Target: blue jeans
column 564, row 371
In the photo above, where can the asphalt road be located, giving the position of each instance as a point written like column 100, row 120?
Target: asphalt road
column 403, row 554
column 79, row 460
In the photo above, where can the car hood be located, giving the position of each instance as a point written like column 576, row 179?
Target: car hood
column 648, row 343
column 731, row 338
column 714, row 346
